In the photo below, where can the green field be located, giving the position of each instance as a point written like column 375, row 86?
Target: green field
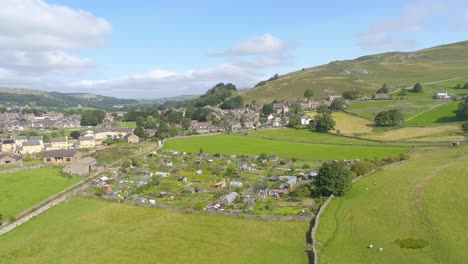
column 305, row 135
column 115, row 152
column 21, row 190
column 126, row 124
column 86, row 230
column 242, row 145
column 424, row 198
column 439, row 115
column 370, row 109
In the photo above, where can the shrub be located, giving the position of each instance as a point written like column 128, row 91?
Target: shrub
column 27, row 158
column 362, row 167
column 412, row 243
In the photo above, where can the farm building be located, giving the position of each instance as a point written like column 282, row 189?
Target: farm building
column 9, row 159
column 82, row 166
column 443, row 95
column 7, row 145
column 61, row 156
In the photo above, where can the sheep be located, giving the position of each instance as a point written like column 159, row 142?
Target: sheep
column 380, row 249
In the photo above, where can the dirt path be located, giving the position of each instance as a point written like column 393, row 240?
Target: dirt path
column 427, row 110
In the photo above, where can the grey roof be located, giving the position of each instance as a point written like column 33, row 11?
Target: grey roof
column 57, row 140
column 130, row 135
column 21, row 138
column 15, row 157
column 231, row 197
column 60, row 153
column 113, row 129
column 31, row 143
column 8, row 141
column 37, row 138
column 85, row 139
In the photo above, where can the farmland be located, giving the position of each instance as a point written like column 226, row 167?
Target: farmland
column 433, row 183
column 106, row 232
column 442, row 114
column 242, row 145
column 408, row 107
column 407, row 133
column 21, row 190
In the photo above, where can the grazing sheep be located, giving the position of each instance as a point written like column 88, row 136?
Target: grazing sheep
column 380, row 249
column 371, row 246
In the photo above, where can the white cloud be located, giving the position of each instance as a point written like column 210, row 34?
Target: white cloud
column 261, row 45
column 247, row 62
column 385, row 35
column 36, row 37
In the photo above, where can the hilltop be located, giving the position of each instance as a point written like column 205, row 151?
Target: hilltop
column 367, row 73
column 59, row 101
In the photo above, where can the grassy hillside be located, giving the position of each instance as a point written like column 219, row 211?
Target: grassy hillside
column 56, row 100
column 424, row 198
column 368, row 73
column 94, row 231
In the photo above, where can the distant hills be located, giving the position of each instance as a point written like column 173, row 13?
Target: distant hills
column 59, row 101
column 367, row 73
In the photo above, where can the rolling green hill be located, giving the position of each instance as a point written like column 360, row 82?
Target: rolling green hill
column 368, row 73
column 56, row 100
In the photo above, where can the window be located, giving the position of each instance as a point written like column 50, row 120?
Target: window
column 48, row 159
column 68, row 159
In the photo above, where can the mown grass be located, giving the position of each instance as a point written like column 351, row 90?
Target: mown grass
column 125, row 124
column 242, row 145
column 423, row 198
column 439, row 115
column 305, row 135
column 86, row 230
column 22, row 190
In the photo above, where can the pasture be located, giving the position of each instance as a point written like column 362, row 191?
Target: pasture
column 424, row 198
column 22, row 190
column 407, row 133
column 85, row 230
column 305, row 135
column 445, row 113
column 369, row 109
column 125, row 124
column 244, row 145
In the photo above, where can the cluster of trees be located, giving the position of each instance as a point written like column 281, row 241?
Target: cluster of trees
column 364, row 167
column 324, row 122
column 352, row 95
column 383, row 90
column 216, row 95
column 417, row 88
column 389, row 118
column 459, row 86
column 34, row 111
column 233, row 103
column 92, row 117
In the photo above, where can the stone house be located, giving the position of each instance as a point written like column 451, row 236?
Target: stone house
column 7, row 145
column 131, row 138
column 61, row 156
column 59, row 143
column 7, row 159
column 30, row 147
column 82, row 166
column 85, row 142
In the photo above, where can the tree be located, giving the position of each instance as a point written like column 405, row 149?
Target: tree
column 294, row 121
column 267, row 109
column 337, row 105
column 333, row 178
column 383, row 90
column 75, row 134
column 233, row 103
column 324, row 122
column 465, row 86
column 352, row 95
column 139, row 131
column 185, row 123
column 462, row 113
column 296, row 108
column 323, row 109
column 389, row 118
column 417, row 88
column 301, row 191
column 308, row 93
column 465, row 126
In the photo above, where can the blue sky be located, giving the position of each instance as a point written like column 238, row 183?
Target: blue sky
column 150, row 49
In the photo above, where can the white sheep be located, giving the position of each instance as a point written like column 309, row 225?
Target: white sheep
column 380, row 249
column 371, row 246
